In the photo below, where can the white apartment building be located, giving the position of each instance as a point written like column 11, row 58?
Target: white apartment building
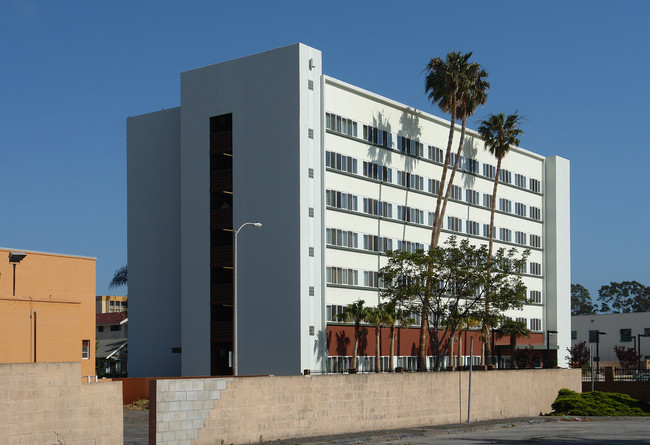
column 337, row 175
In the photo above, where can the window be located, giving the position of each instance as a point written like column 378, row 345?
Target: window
column 408, row 246
column 344, row 238
column 341, row 200
column 471, row 227
column 311, row 291
column 535, row 240
column 487, row 200
column 377, row 136
column 535, row 213
column 410, row 180
column 486, row 231
column 471, row 196
column 593, row 336
column 456, row 193
column 409, row 146
column 333, row 311
column 471, row 165
column 115, row 328
column 489, row 171
column 100, row 328
column 454, row 224
column 522, row 320
column 574, row 335
column 520, row 180
column 505, row 234
column 338, row 275
column 646, row 332
column 310, row 172
column 409, row 214
column 311, row 212
column 377, row 243
column 371, row 279
column 535, row 185
column 435, row 154
column 520, row 209
column 626, row 334
column 340, row 162
column 535, row 324
column 505, row 176
column 535, row 297
column 520, row 238
column 375, row 171
column 85, row 349
column 340, row 124
column 505, row 205
column 535, row 269
column 434, row 186
column 311, row 251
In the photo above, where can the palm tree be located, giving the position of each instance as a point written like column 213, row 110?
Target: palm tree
column 456, row 86
column 377, row 317
column 499, row 134
column 513, row 329
column 394, row 317
column 472, row 94
column 355, row 312
column 121, row 277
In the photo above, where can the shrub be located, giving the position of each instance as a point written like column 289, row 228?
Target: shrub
column 138, row 405
column 602, row 404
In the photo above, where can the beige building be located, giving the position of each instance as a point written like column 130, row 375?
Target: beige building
column 105, row 304
column 46, row 308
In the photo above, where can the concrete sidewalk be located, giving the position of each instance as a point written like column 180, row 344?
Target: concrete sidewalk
column 539, row 430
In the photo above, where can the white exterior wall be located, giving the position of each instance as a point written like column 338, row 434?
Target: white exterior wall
column 611, row 324
column 153, row 216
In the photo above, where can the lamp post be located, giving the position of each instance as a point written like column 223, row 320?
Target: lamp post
column 15, row 258
column 235, row 345
column 499, row 331
column 639, row 344
column 548, row 349
column 598, row 334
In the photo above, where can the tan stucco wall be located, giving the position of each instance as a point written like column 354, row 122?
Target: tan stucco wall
column 61, row 289
column 43, row 403
column 286, row 407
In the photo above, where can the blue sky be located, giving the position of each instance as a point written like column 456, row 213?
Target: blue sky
column 72, row 72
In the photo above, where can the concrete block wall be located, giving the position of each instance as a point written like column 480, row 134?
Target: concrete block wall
column 46, row 403
column 182, row 407
column 268, row 408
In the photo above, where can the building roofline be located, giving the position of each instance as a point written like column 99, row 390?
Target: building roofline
column 48, row 253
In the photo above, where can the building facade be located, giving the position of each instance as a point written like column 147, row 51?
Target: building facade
column 631, row 330
column 47, row 308
column 105, row 304
column 337, row 175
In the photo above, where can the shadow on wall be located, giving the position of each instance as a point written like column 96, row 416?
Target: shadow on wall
column 381, row 157
column 409, row 128
column 470, row 150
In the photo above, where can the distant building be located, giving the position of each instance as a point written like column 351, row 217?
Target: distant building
column 337, row 175
column 111, row 303
column 631, row 330
column 112, row 344
column 47, row 308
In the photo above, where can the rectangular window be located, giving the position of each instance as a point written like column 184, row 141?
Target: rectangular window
column 85, row 349
column 522, row 320
column 535, row 185
column 574, row 335
column 456, row 193
column 338, row 275
column 471, row 227
column 434, row 186
column 535, row 297
column 489, row 171
column 535, row 240
column 471, row 196
column 535, row 213
column 535, row 269
column 505, row 176
column 487, row 200
column 471, row 165
column 435, row 154
column 593, row 336
column 520, row 238
column 626, row 334
column 100, row 328
column 505, row 234
column 454, row 224
column 371, row 279
column 535, row 324
column 115, row 328
column 505, row 205
column 486, row 231
column 333, row 311
column 520, row 209
column 520, row 180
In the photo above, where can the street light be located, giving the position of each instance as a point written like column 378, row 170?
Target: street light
column 15, row 258
column 548, row 350
column 598, row 334
column 639, row 344
column 235, row 346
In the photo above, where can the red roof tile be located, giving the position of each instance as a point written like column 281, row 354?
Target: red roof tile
column 111, row 318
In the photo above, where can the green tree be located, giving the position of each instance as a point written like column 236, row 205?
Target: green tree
column 354, row 313
column 581, row 303
column 579, row 355
column 457, row 87
column 627, row 357
column 499, row 134
column 120, row 278
column 624, row 297
column 513, row 329
column 377, row 317
column 394, row 317
column 459, row 275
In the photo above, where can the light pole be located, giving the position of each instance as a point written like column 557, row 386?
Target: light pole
column 15, row 258
column 548, row 349
column 598, row 334
column 235, row 346
column 639, row 344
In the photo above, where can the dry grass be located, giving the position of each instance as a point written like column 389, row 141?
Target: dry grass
column 138, row 405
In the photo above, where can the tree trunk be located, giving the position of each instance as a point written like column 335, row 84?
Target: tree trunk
column 357, row 334
column 513, row 345
column 438, row 228
column 392, row 349
column 485, row 329
column 378, row 350
column 422, row 347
